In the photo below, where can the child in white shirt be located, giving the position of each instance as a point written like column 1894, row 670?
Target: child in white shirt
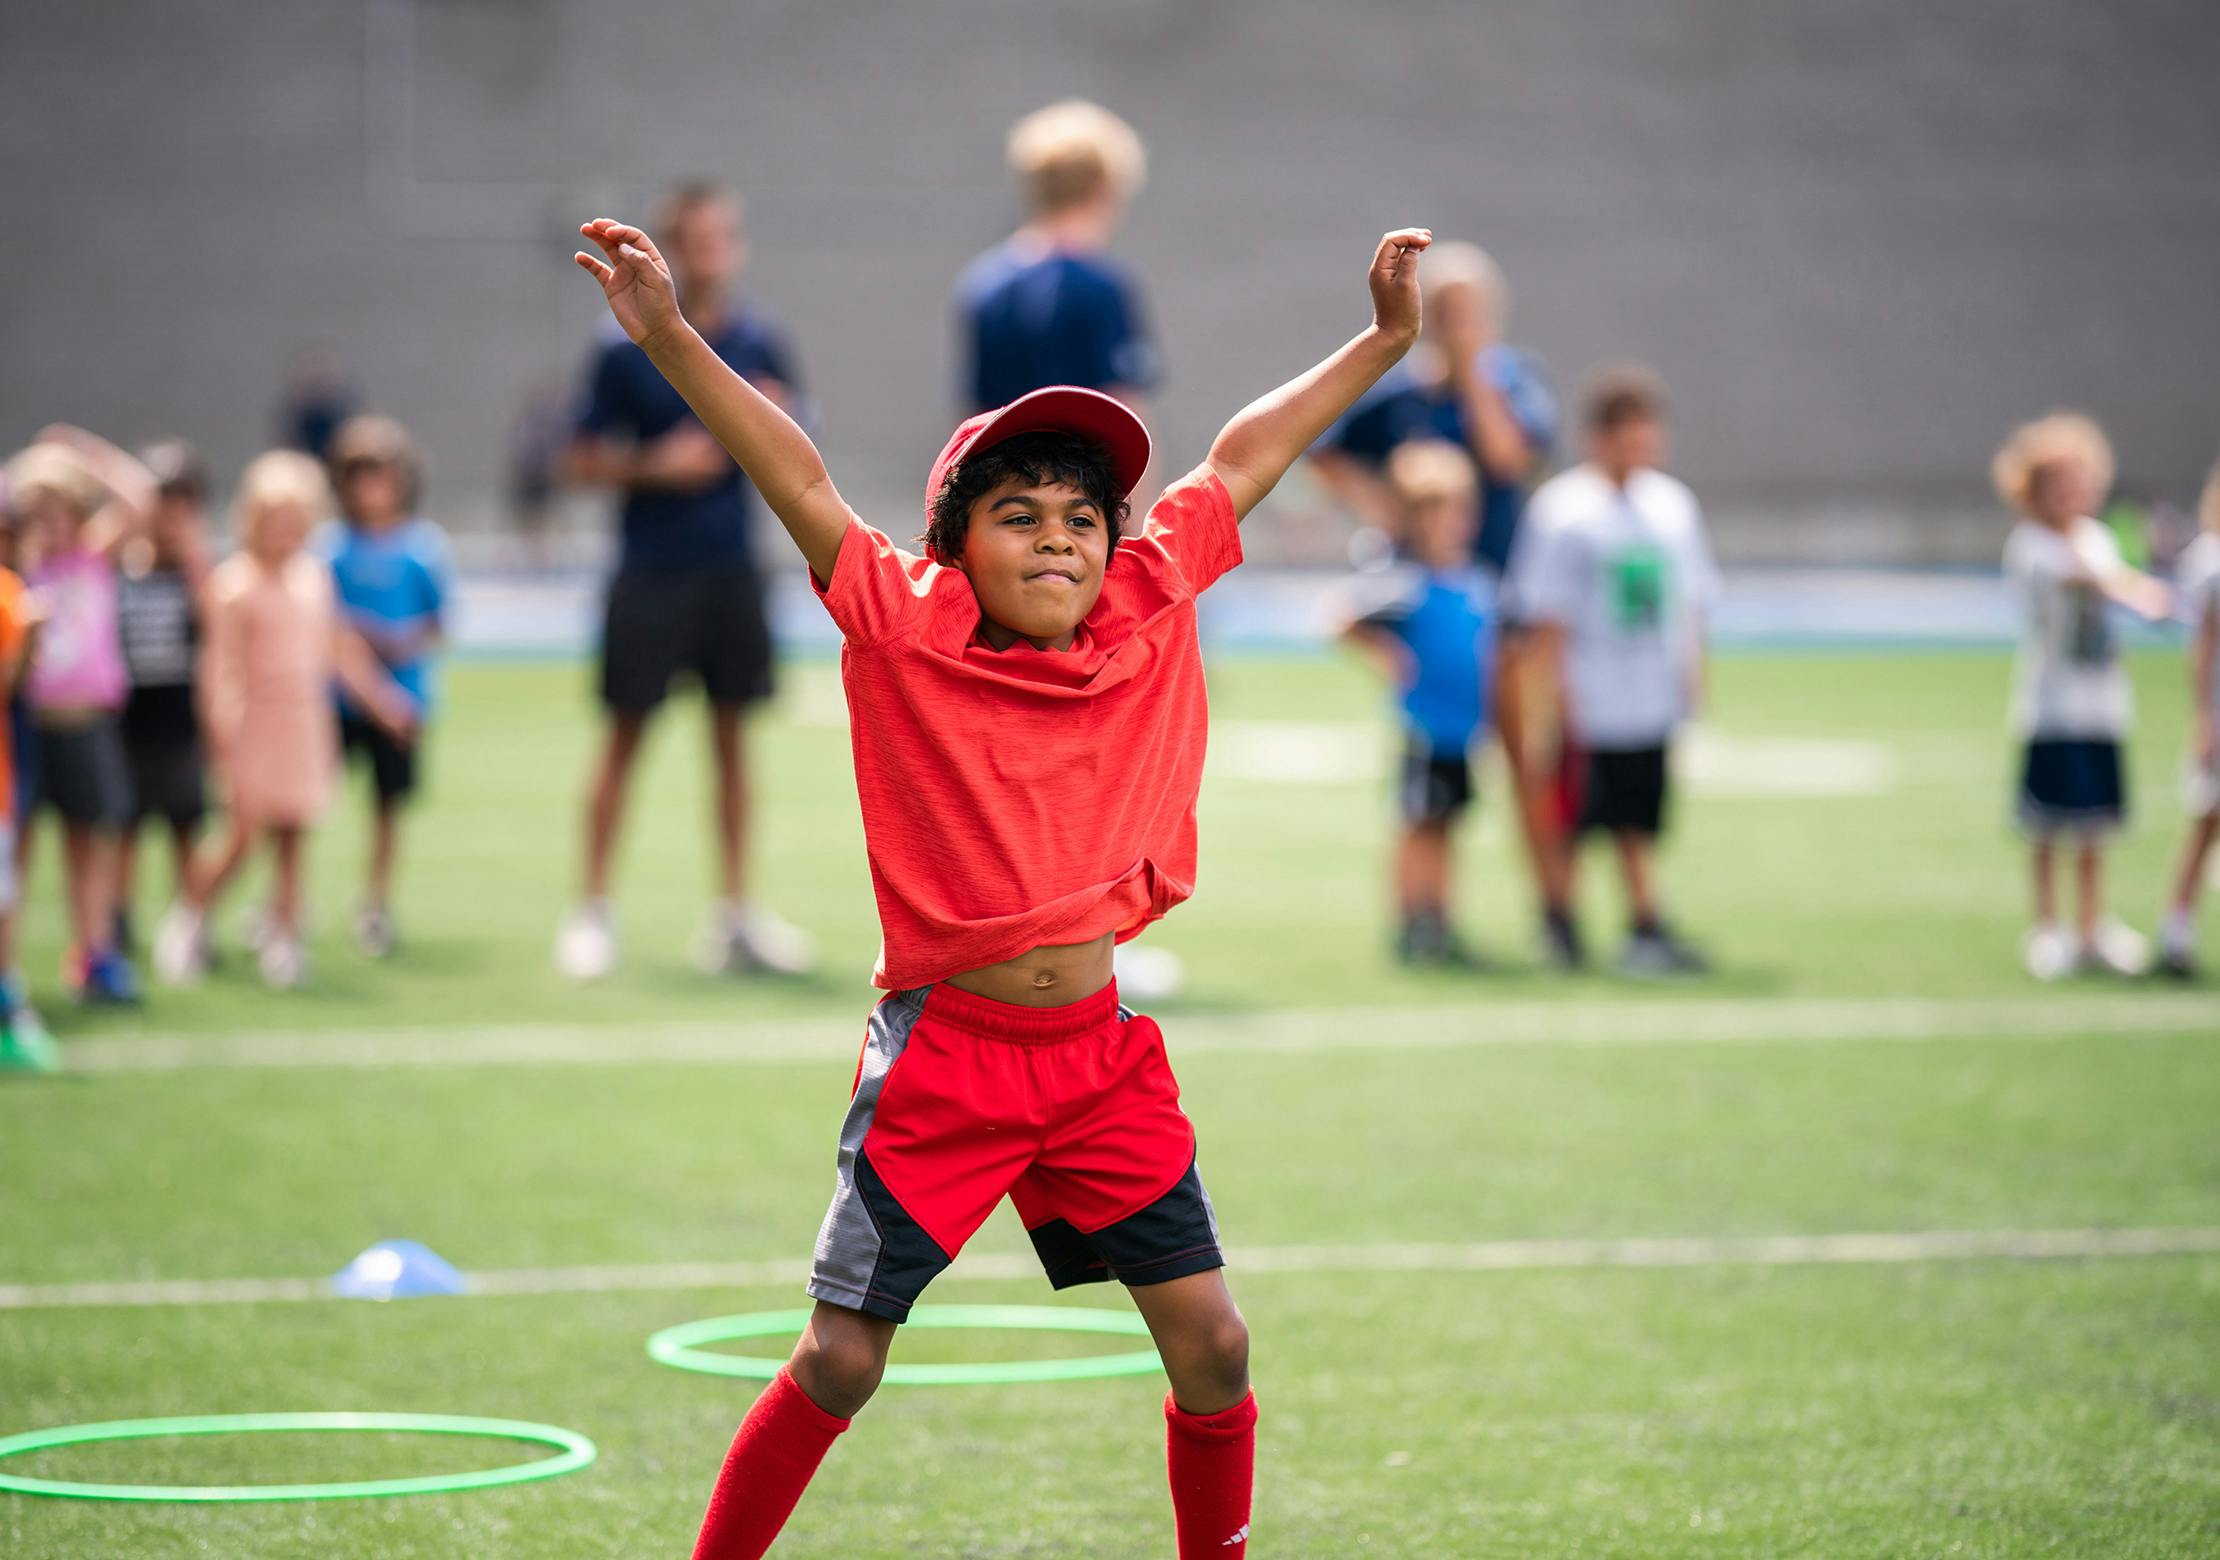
column 2071, row 703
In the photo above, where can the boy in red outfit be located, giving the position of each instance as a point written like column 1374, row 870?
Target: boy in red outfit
column 1028, row 716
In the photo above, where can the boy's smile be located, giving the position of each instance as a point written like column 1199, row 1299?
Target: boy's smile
column 1035, row 557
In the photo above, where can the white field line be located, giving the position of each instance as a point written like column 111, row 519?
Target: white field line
column 1473, row 1257
column 1720, row 1021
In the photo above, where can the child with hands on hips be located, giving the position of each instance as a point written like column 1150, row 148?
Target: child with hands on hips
column 1035, row 683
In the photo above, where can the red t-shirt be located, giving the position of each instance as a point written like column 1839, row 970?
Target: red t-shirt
column 1021, row 797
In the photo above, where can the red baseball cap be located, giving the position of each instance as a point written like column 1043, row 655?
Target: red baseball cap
column 1058, row 409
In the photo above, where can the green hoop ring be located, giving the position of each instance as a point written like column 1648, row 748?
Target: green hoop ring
column 678, row 1346
column 575, row 1453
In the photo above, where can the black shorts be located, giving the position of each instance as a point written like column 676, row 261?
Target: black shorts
column 1623, row 790
column 663, row 621
column 392, row 766
column 167, row 778
column 83, row 774
column 1435, row 787
column 2071, row 785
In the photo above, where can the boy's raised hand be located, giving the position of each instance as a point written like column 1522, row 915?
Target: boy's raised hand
column 1394, row 281
column 634, row 278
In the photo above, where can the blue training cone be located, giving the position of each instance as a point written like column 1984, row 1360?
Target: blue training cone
column 397, row 1270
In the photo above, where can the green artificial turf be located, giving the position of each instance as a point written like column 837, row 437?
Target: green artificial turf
column 1990, row 1406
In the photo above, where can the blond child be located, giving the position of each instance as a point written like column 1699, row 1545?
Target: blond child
column 2071, row 705
column 1431, row 628
column 2199, row 574
column 79, row 496
column 275, row 642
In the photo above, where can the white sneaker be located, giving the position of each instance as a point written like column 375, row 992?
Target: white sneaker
column 374, row 932
column 181, row 946
column 2048, row 952
column 2117, row 949
column 586, row 947
column 748, row 939
column 1147, row 974
column 282, row 960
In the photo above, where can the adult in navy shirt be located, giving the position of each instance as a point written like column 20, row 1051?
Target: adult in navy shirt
column 686, row 596
column 1048, row 306
column 1462, row 383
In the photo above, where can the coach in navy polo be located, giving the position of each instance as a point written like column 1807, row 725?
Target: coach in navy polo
column 687, row 597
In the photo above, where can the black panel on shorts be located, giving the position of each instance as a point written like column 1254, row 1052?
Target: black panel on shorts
column 1172, row 1237
column 909, row 1259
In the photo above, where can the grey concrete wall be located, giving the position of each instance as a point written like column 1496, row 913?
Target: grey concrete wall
column 1860, row 238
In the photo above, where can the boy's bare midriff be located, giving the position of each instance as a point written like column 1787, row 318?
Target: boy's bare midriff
column 1048, row 976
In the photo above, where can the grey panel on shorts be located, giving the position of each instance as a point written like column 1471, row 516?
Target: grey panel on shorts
column 850, row 1243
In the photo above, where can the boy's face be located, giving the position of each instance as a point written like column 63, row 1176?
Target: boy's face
column 1035, row 558
column 2060, row 493
column 1440, row 530
column 372, row 492
column 1630, row 444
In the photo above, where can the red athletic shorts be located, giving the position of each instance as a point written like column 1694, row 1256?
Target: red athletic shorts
column 1072, row 1112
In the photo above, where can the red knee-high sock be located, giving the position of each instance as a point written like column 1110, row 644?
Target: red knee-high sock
column 780, row 1444
column 1213, row 1462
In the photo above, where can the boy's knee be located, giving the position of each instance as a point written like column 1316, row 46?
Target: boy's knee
column 838, row 1366
column 1216, row 1364
column 1229, row 1346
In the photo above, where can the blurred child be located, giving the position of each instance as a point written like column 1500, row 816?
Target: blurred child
column 164, row 565
column 1434, row 637
column 25, row 1045
column 274, row 643
column 81, row 496
column 1615, row 585
column 390, row 567
column 1048, row 306
column 2199, row 572
column 2071, row 705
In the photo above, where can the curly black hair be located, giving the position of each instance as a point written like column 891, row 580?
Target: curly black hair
column 1035, row 459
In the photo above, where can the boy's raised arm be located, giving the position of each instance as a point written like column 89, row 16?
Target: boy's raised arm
column 1267, row 436
column 770, row 447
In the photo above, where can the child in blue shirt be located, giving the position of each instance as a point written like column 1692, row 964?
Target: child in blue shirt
column 390, row 569
column 1434, row 636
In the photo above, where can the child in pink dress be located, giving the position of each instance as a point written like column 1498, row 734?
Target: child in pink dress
column 275, row 642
